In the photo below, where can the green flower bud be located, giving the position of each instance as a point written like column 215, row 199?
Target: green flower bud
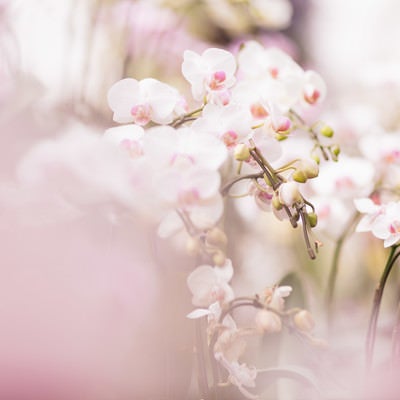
column 316, row 158
column 311, row 168
column 335, row 149
column 299, row 176
column 312, row 219
column 276, row 203
column 326, row 131
column 280, row 136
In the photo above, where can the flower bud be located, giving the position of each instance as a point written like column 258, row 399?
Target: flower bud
column 289, row 193
column 267, row 321
column 241, row 152
column 192, row 246
column 316, row 158
column 304, row 321
column 281, row 125
column 216, row 237
column 299, row 176
column 280, row 136
column 312, row 219
column 326, row 131
column 276, row 203
column 335, row 151
column 310, row 168
column 219, row 258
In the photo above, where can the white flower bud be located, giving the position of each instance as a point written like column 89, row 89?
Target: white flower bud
column 241, row 152
column 268, row 321
column 219, row 258
column 192, row 246
column 289, row 193
column 309, row 167
column 304, row 321
column 216, row 237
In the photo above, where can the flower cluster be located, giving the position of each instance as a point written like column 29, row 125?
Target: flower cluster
column 243, row 108
column 187, row 155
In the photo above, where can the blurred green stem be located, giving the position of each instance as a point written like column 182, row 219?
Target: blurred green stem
column 335, row 266
column 370, row 342
column 396, row 342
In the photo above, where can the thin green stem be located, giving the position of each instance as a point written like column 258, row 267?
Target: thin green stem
column 335, row 266
column 396, row 342
column 305, row 225
column 371, row 334
column 190, row 116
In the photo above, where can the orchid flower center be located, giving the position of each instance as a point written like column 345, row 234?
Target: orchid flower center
column 264, row 196
column 258, row 111
column 133, row 147
column 311, row 95
column 141, row 113
column 217, row 80
column 217, row 293
column 394, row 227
column 344, row 183
column 274, row 71
column 181, row 160
column 281, row 124
column 188, row 197
column 392, row 157
column 230, row 138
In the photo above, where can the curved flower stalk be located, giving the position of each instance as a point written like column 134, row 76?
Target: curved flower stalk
column 373, row 321
column 380, row 215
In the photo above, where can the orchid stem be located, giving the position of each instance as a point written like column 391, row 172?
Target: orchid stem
column 371, row 334
column 335, row 267
column 201, row 364
column 225, row 189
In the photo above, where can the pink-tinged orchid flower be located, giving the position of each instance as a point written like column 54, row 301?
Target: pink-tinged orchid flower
column 386, row 226
column 371, row 212
column 210, row 284
column 314, row 89
column 231, row 123
column 128, row 137
column 210, row 74
column 143, row 101
column 240, row 375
